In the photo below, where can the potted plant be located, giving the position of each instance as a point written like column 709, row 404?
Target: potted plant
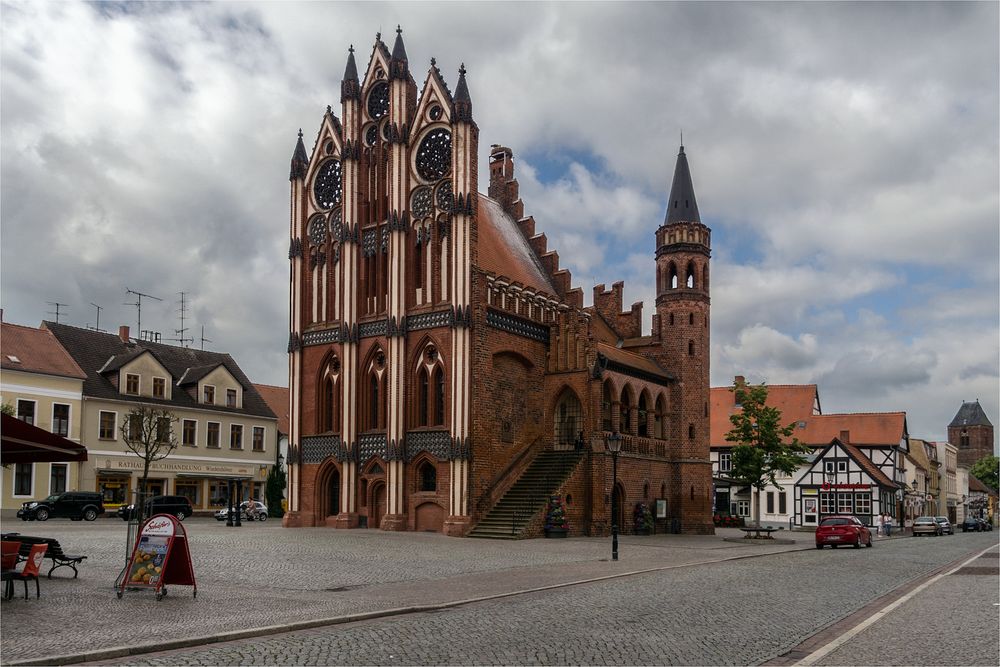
column 643, row 517
column 556, row 524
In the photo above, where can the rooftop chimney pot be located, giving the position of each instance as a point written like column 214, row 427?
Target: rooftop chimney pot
column 123, row 333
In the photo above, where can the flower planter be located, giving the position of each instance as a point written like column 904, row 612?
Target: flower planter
column 555, row 532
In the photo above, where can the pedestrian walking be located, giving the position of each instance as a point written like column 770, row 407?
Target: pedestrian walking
column 887, row 524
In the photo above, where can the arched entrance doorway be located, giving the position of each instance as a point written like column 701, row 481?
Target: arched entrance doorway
column 376, row 507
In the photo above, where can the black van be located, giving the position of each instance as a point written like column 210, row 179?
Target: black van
column 74, row 505
column 179, row 506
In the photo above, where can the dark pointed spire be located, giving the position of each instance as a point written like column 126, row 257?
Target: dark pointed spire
column 398, row 63
column 463, row 103
column 682, row 206
column 300, row 160
column 351, row 71
column 350, row 88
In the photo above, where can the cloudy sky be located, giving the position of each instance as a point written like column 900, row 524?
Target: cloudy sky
column 844, row 155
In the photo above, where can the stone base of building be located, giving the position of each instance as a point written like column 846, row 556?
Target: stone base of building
column 457, row 526
column 394, row 522
column 291, row 520
column 346, row 520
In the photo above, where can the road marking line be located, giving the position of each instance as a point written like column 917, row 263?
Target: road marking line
column 821, row 652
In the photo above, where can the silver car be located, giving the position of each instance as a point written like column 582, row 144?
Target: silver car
column 946, row 527
column 926, row 525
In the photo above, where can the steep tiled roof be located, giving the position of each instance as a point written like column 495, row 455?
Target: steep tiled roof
column 916, row 463
column 970, row 414
column 195, row 373
column 867, row 465
column 976, row 485
column 645, row 366
column 602, row 331
column 795, row 401
column 35, row 351
column 504, row 251
column 865, row 428
column 117, row 361
column 91, row 351
column 276, row 399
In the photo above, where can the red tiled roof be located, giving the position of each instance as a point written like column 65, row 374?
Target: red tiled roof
column 865, row 428
column 632, row 360
column 36, row 351
column 504, row 251
column 795, row 401
column 866, row 464
column 276, row 399
column 602, row 332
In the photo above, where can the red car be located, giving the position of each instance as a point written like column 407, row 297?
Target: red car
column 837, row 530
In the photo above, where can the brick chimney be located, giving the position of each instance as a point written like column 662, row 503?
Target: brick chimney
column 123, row 333
column 740, row 380
column 845, row 437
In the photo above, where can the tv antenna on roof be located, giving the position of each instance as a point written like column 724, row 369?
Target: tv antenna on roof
column 183, row 340
column 203, row 339
column 96, row 327
column 138, row 305
column 57, row 305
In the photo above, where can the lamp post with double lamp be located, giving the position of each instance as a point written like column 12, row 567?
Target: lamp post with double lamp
column 614, row 442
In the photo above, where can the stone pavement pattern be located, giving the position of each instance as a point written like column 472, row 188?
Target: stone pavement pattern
column 961, row 606
column 261, row 575
column 736, row 612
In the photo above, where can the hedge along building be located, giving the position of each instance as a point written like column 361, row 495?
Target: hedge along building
column 438, row 353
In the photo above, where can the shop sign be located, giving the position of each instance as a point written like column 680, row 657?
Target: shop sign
column 809, row 492
column 179, row 466
column 827, row 486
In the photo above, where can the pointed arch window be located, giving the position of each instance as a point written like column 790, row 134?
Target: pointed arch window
column 660, row 420
column 704, row 278
column 689, row 281
column 329, row 397
column 430, row 397
column 422, row 397
column 626, row 412
column 606, row 399
column 374, row 404
column 643, row 429
column 673, row 276
column 428, row 476
column 438, row 396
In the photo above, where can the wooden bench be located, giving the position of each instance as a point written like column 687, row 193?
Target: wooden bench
column 757, row 530
column 54, row 553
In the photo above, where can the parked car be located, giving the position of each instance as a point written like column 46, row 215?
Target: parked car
column 249, row 510
column 946, row 527
column 971, row 525
column 926, row 525
column 985, row 525
column 837, row 530
column 74, row 505
column 179, row 506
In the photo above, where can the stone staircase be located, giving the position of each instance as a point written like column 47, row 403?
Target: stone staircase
column 528, row 496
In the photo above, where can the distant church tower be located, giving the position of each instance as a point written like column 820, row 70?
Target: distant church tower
column 972, row 432
column 683, row 250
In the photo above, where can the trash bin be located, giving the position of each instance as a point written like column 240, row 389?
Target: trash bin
column 675, row 526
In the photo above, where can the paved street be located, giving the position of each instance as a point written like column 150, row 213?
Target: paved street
column 741, row 611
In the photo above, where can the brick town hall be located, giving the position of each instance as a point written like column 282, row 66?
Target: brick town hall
column 444, row 372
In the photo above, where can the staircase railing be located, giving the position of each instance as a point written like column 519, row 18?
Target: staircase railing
column 501, row 481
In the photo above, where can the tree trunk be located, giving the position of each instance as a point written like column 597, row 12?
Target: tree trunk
column 756, row 509
column 141, row 502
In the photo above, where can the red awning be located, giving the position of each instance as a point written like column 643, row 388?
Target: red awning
column 20, row 442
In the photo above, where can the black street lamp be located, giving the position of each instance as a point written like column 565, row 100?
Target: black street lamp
column 614, row 442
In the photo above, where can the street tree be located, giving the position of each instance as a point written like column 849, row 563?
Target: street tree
column 764, row 448
column 275, row 490
column 987, row 471
column 148, row 433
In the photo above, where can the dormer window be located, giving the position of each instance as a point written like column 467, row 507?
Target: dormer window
column 230, row 398
column 159, row 388
column 132, row 384
column 209, row 395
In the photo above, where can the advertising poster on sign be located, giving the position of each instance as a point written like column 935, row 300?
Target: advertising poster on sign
column 150, row 555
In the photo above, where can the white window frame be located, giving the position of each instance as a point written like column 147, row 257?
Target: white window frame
column 192, row 444
column 236, row 398
column 862, row 503
column 829, row 467
column 69, row 419
column 66, row 468
column 841, row 465
column 845, row 503
column 218, row 445
column 827, row 502
column 743, row 508
column 114, row 424
column 203, row 388
column 138, row 384
column 13, row 479
column 34, row 410
column 263, row 438
column 242, row 433
column 725, row 461
column 152, row 388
